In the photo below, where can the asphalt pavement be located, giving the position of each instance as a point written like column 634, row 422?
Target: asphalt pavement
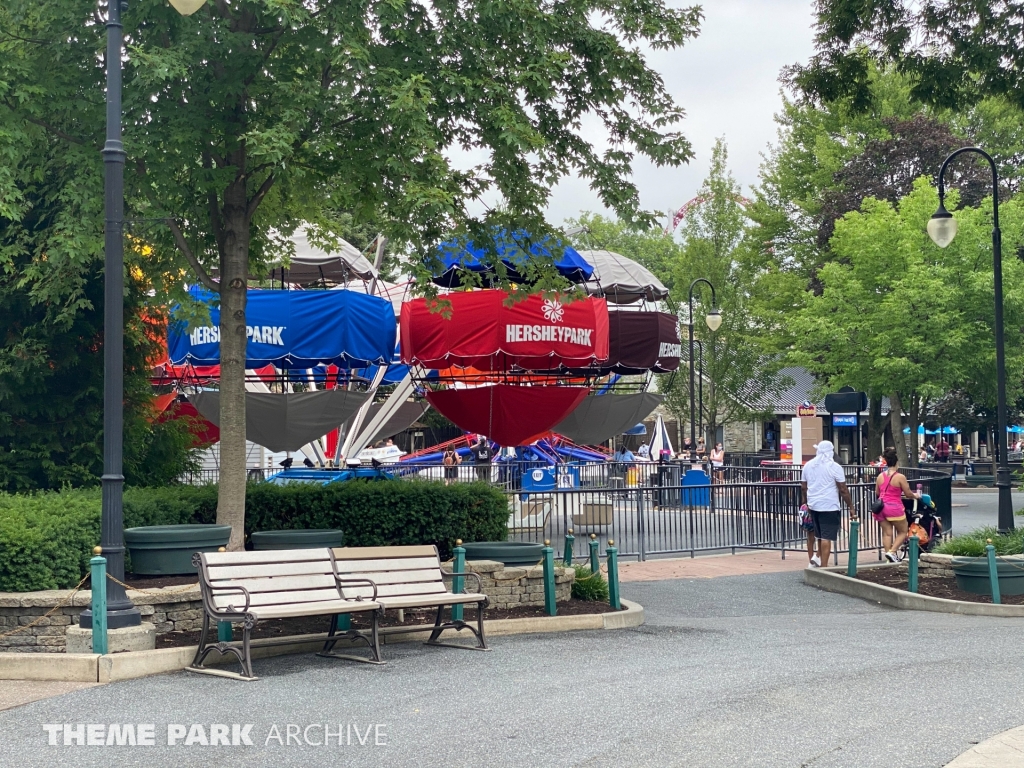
column 735, row 671
column 979, row 507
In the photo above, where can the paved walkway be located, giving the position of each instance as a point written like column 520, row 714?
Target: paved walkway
column 1003, row 751
column 754, row 671
column 713, row 566
column 14, row 693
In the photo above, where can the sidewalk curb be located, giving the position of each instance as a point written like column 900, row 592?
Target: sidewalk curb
column 92, row 668
column 835, row 580
column 1003, row 750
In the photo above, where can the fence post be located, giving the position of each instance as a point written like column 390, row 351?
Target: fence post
column 98, row 572
column 914, row 552
column 640, row 521
column 993, row 573
column 851, row 563
column 458, row 566
column 567, row 556
column 549, row 579
column 595, row 566
column 613, row 576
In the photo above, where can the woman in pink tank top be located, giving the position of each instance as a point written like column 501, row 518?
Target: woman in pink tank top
column 891, row 487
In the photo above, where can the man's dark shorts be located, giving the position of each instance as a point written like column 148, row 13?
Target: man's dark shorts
column 826, row 525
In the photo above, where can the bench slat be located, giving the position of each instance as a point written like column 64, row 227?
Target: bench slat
column 266, row 556
column 325, row 607
column 398, row 577
column 278, row 598
column 220, row 573
column 412, row 601
column 395, row 589
column 374, row 553
column 396, row 564
column 282, row 583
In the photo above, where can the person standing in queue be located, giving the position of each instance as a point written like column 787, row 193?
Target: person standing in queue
column 482, row 455
column 821, row 488
column 451, row 461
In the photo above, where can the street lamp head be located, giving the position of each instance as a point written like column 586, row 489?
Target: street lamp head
column 942, row 227
column 714, row 319
column 187, row 7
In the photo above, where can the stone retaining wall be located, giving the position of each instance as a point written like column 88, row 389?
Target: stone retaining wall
column 169, row 609
column 177, row 609
column 931, row 565
column 511, row 587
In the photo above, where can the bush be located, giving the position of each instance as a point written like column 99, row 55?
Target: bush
column 589, row 586
column 47, row 538
column 973, row 544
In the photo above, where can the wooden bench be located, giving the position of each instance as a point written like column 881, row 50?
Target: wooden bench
column 246, row 587
column 409, row 577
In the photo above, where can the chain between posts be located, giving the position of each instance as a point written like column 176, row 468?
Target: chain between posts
column 63, row 603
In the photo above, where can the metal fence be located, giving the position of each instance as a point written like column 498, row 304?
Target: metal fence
column 652, row 520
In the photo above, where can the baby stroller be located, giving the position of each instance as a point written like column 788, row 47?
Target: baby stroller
column 923, row 523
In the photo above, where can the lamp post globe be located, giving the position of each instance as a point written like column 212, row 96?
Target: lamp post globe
column 187, row 7
column 942, row 227
column 714, row 319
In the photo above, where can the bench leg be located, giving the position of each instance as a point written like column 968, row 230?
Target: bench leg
column 372, row 642
column 458, row 626
column 242, row 654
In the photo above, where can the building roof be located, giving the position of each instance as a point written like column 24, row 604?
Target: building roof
column 802, row 384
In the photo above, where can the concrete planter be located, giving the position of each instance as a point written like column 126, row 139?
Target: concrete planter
column 521, row 553
column 972, row 575
column 166, row 550
column 298, row 539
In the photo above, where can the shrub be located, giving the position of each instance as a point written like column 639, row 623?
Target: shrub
column 973, row 544
column 589, row 586
column 46, row 539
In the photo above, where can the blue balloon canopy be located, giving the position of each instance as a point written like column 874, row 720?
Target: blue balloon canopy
column 460, row 255
column 293, row 329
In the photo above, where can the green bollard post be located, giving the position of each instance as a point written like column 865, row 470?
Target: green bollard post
column 851, row 564
column 549, row 579
column 993, row 573
column 567, row 555
column 98, row 572
column 458, row 566
column 613, row 576
column 915, row 551
column 595, row 565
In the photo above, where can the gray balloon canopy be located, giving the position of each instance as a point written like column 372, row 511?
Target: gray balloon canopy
column 289, row 421
column 600, row 417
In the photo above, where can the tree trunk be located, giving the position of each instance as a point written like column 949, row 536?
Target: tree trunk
column 896, row 422
column 234, row 262
column 876, row 429
column 914, row 420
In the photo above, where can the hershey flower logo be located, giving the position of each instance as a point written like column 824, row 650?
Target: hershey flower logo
column 553, row 310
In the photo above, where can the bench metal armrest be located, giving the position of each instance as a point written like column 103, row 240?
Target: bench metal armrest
column 479, row 583
column 364, row 582
column 230, row 610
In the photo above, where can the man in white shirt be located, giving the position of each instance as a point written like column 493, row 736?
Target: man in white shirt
column 823, row 483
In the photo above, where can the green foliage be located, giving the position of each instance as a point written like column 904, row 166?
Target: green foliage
column 47, row 538
column 973, row 544
column 589, row 586
column 383, row 513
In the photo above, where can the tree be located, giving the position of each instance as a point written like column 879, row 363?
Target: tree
column 252, row 117
column 954, row 53
column 738, row 366
column 51, row 300
column 899, row 315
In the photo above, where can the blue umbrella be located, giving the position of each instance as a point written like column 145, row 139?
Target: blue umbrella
column 639, row 429
column 459, row 255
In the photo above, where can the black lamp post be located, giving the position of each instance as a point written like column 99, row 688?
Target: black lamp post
column 121, row 612
column 700, row 384
column 942, row 229
column 713, row 320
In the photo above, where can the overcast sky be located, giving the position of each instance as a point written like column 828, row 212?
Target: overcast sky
column 727, row 81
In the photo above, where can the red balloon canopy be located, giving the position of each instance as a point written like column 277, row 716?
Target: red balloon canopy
column 483, row 333
column 508, row 414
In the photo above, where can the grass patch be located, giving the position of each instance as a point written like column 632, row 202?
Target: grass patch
column 589, row 586
column 973, row 544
